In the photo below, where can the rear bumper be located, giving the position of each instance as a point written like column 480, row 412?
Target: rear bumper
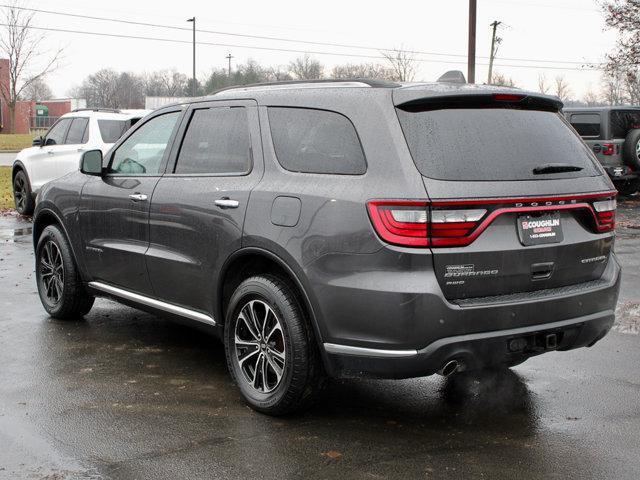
column 473, row 351
column 503, row 330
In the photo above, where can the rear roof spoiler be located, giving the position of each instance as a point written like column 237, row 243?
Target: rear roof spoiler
column 472, row 96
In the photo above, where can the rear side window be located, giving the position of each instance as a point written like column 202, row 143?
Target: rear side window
column 316, row 141
column 622, row 121
column 76, row 134
column 217, row 142
column 586, row 124
column 112, row 130
column 493, row 144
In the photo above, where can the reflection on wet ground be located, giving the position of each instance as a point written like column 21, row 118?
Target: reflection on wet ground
column 124, row 394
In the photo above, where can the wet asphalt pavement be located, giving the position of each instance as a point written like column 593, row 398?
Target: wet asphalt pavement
column 124, row 394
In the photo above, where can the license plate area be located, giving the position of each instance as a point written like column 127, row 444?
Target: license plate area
column 540, row 229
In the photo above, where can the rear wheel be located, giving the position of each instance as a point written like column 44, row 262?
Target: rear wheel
column 628, row 188
column 59, row 284
column 22, row 195
column 270, row 347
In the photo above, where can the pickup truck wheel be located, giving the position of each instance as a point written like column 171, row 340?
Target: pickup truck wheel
column 22, row 195
column 60, row 287
column 270, row 347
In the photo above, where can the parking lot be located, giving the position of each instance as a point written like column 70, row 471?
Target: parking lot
column 127, row 395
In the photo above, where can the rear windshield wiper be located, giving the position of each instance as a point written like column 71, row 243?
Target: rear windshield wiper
column 555, row 168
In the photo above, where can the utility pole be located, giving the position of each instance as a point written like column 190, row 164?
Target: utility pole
column 194, row 83
column 494, row 49
column 471, row 58
column 229, row 57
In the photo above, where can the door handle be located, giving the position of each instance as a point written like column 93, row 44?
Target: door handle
column 50, row 152
column 80, row 150
column 138, row 197
column 227, row 203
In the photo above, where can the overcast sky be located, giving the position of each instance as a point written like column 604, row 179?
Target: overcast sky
column 535, row 32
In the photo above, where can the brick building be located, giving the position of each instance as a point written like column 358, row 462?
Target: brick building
column 25, row 110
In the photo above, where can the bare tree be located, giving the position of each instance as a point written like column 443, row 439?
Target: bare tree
column 363, row 70
column 402, row 64
column 562, row 89
column 278, row 73
column 613, row 86
column 37, row 91
column 624, row 16
column 543, row 86
column 591, row 99
column 28, row 62
column 502, row 80
column 165, row 83
column 306, row 68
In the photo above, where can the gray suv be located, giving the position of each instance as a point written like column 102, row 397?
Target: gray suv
column 613, row 133
column 344, row 228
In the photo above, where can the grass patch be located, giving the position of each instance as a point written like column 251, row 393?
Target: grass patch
column 15, row 141
column 6, row 190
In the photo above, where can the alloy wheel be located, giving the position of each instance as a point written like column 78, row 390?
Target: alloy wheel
column 260, row 346
column 52, row 272
column 19, row 192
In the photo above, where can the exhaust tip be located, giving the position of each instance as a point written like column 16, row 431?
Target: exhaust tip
column 449, row 368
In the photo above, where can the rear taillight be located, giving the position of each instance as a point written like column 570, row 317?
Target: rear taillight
column 605, row 214
column 400, row 223
column 415, row 224
column 608, row 149
column 458, row 223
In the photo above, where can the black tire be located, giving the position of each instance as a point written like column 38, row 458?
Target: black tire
column 60, row 287
column 630, row 151
column 302, row 375
column 628, row 188
column 22, row 194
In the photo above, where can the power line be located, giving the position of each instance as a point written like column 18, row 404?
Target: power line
column 290, row 50
column 289, row 40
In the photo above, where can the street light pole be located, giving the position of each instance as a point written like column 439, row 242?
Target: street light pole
column 471, row 59
column 193, row 84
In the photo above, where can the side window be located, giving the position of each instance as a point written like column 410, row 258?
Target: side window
column 55, row 136
column 586, row 124
column 76, row 133
column 622, row 121
column 111, row 130
column 143, row 151
column 316, row 141
column 217, row 142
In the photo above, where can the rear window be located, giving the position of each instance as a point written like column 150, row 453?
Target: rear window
column 586, row 124
column 217, row 142
column 492, row 144
column 622, row 121
column 112, row 130
column 316, row 141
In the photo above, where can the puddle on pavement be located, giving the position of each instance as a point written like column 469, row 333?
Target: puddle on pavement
column 12, row 234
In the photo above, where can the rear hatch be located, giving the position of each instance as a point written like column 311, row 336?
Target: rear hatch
column 516, row 201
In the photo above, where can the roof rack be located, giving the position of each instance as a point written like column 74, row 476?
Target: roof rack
column 367, row 81
column 110, row 110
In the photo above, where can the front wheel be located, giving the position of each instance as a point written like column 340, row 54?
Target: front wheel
column 270, row 347
column 61, row 291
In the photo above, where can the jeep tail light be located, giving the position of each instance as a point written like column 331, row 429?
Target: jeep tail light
column 608, row 149
column 605, row 214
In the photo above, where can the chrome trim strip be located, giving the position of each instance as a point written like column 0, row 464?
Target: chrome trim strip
column 152, row 302
column 367, row 352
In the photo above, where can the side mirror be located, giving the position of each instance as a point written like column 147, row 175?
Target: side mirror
column 38, row 141
column 91, row 163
